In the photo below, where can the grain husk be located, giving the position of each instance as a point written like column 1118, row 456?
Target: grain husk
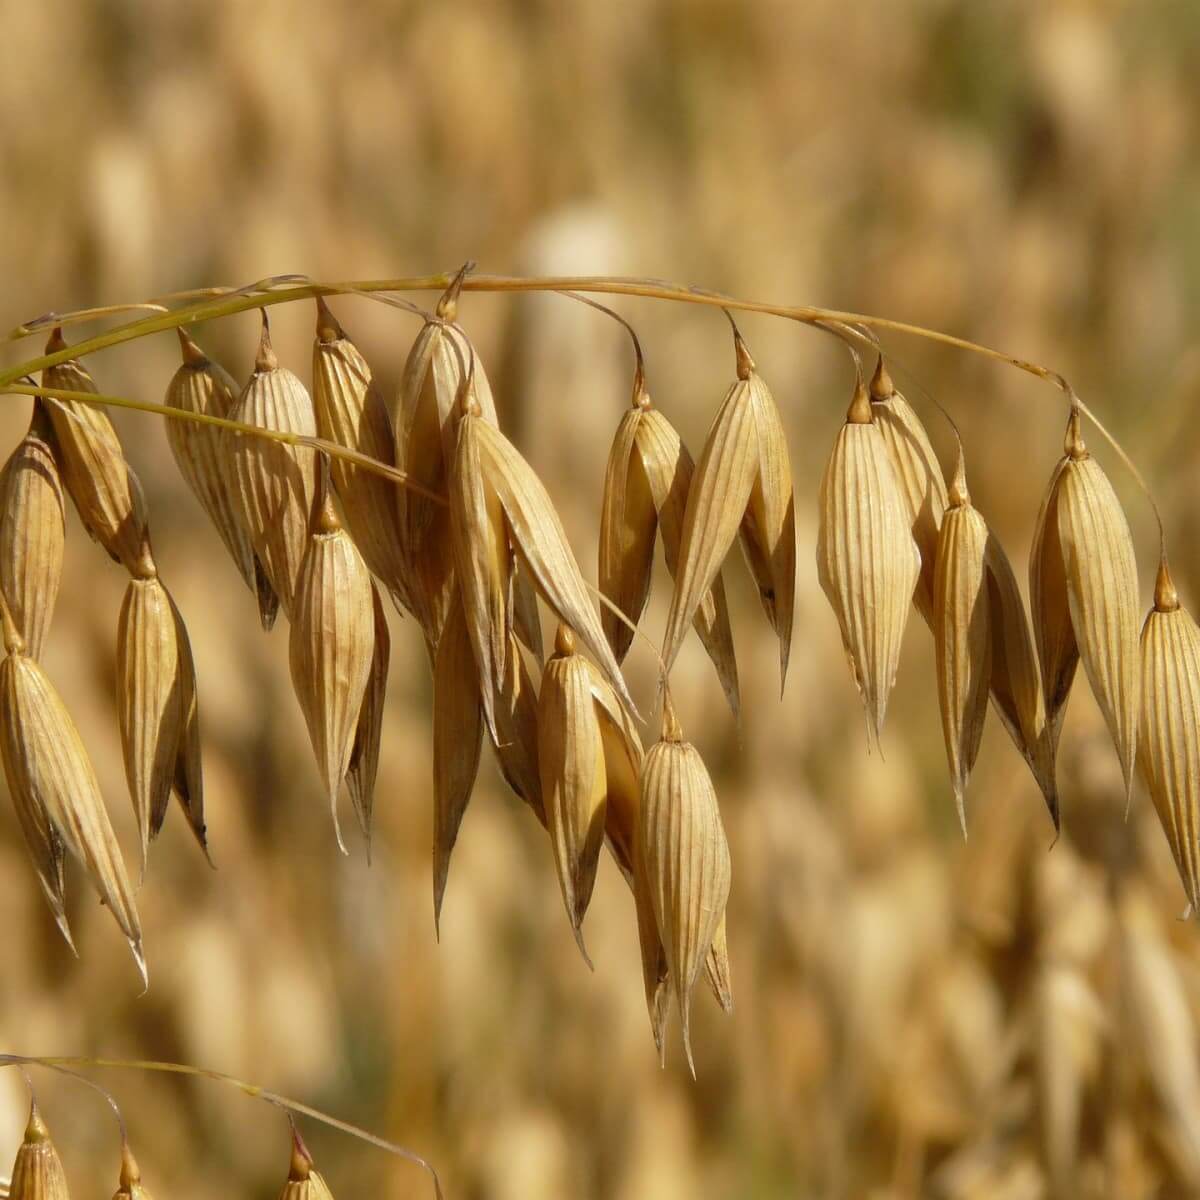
column 37, row 1172
column 363, row 770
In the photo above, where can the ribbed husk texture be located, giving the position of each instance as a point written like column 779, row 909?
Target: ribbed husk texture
column 646, row 486
column 273, row 483
column 45, row 762
column 203, row 386
column 102, row 485
column 363, row 770
column 1083, row 583
column 867, row 560
column 37, row 1172
column 685, row 858
column 32, row 532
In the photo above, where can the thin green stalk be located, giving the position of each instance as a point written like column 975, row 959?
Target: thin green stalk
column 56, row 1062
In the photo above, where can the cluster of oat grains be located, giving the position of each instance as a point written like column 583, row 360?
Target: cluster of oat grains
column 331, row 500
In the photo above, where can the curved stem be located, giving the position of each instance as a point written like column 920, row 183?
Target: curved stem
column 57, row 1062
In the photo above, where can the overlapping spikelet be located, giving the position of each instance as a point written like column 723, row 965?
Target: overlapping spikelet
column 743, row 483
column 46, row 764
column 685, row 859
column 271, row 483
column 867, row 560
column 368, row 734
column 646, row 486
column 203, row 386
column 189, row 777
column 37, row 1172
column 332, row 643
column 457, row 739
column 102, row 485
column 516, row 742
column 1169, row 751
column 1083, row 583
column 918, row 473
column 32, row 532
column 351, row 412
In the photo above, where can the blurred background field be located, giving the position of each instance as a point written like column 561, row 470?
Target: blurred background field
column 915, row 1016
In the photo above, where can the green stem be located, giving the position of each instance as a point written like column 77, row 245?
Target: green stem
column 56, row 1062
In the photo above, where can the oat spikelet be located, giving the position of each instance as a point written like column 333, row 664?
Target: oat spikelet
column 331, row 645
column 45, row 762
column 962, row 634
column 917, row 472
column 272, row 483
column 203, row 386
column 574, row 781
column 457, row 738
column 686, row 858
column 646, row 486
column 105, row 491
column 351, row 412
column 1098, row 581
column 37, row 1172
column 742, row 483
column 516, row 704
column 1169, row 751
column 304, row 1181
column 368, row 734
column 867, row 561
column 150, row 697
column 189, row 776
column 32, row 532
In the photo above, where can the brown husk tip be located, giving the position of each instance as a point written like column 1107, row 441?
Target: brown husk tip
column 882, row 387
column 328, row 329
column 1166, row 598
column 192, row 355
column 564, row 641
column 859, row 412
column 56, row 342
column 265, row 359
column 130, row 1171
column 447, row 306
column 745, row 363
column 672, row 731
column 302, row 1162
column 1074, row 446
column 957, row 493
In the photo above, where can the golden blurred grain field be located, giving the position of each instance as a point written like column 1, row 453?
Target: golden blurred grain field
column 915, row 1016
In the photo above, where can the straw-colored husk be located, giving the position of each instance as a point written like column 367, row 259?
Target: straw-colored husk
column 304, row 1181
column 45, row 761
column 867, row 561
column 368, row 734
column 189, row 775
column 37, row 1172
column 331, row 645
column 516, row 747
column 203, row 386
column 130, row 1186
column 272, row 483
column 32, row 532
column 103, row 487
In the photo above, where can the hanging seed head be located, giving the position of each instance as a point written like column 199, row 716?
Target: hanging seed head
column 331, row 644
column 516, row 705
column 273, row 484
column 150, row 696
column 1083, row 579
column 203, row 386
column 1169, row 752
column 962, row 634
column 867, row 561
column 457, row 737
column 304, row 1181
column 916, row 468
column 32, row 532
column 103, row 487
column 351, row 412
column 686, row 858
column 368, row 734
column 189, row 774
column 37, row 1172
column 573, row 777
column 742, row 483
column 45, row 762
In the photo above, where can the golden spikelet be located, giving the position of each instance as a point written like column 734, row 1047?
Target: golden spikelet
column 331, row 644
column 103, row 487
column 516, row 744
column 1083, row 575
column 351, row 412
column 32, row 532
column 189, row 777
column 304, row 1181
column 272, row 483
column 1169, row 735
column 37, row 1172
column 574, row 780
column 368, row 734
column 46, row 764
column 742, row 483
column 646, row 486
column 917, row 472
column 150, row 699
column 867, row 561
column 686, row 859
column 203, row 386
column 457, row 737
